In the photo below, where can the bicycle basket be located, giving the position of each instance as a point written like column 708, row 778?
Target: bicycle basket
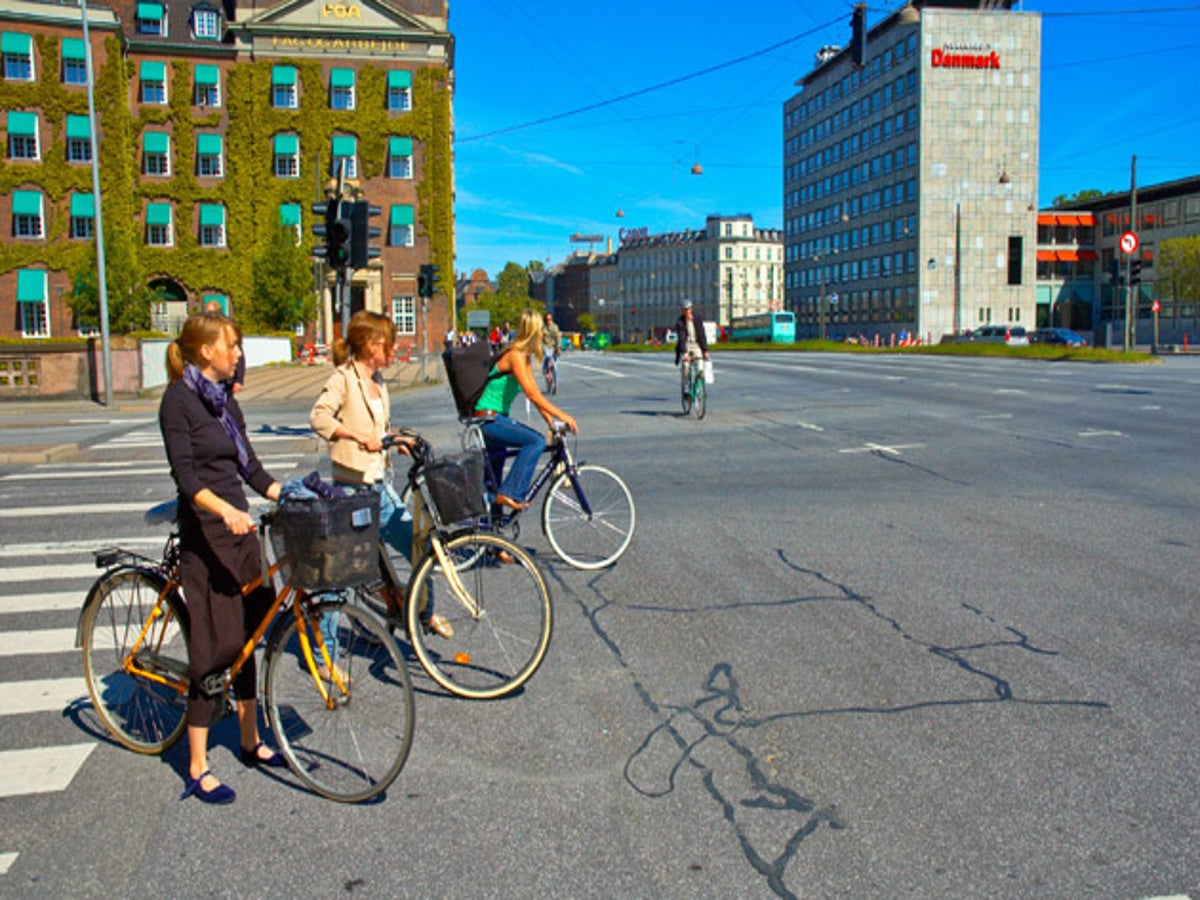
column 330, row 542
column 453, row 488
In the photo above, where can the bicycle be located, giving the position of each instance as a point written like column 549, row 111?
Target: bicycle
column 588, row 515
column 693, row 392
column 335, row 688
column 490, row 590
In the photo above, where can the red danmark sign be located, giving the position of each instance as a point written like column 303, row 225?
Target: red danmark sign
column 940, row 59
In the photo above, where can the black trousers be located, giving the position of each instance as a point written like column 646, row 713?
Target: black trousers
column 220, row 617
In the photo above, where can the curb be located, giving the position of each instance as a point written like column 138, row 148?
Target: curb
column 33, row 455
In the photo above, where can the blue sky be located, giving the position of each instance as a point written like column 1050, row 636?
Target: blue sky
column 1118, row 79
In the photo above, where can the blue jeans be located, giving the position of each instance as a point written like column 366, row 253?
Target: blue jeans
column 395, row 530
column 501, row 433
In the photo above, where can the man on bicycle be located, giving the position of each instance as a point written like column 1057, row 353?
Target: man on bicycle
column 551, row 343
column 690, row 341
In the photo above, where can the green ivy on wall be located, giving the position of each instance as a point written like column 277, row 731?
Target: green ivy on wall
column 249, row 191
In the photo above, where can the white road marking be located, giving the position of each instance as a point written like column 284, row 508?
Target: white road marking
column 40, row 770
column 80, row 548
column 997, row 416
column 26, row 603
column 1152, row 406
column 881, row 448
column 1008, row 391
column 6, row 861
column 44, row 640
column 40, row 573
column 41, row 476
column 809, row 426
column 69, row 512
column 42, row 695
column 1092, row 432
column 596, row 369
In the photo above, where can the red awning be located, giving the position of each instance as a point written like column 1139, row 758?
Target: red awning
column 1065, row 219
column 1067, row 256
column 1087, row 219
column 1045, row 219
column 1046, row 256
column 1088, row 254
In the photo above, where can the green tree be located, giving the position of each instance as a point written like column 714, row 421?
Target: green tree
column 282, row 284
column 129, row 297
column 509, row 301
column 1078, row 197
column 1178, row 268
column 586, row 322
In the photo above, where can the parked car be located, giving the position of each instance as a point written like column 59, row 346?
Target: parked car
column 1012, row 335
column 1062, row 336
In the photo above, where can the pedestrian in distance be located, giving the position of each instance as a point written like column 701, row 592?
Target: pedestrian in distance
column 211, row 458
column 353, row 413
column 511, row 374
column 690, row 340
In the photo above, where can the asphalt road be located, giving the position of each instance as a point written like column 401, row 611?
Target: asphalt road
column 890, row 626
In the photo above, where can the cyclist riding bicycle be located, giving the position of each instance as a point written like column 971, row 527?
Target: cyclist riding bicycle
column 509, row 376
column 551, row 344
column 690, row 342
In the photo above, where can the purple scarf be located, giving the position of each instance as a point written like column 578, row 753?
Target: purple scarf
column 216, row 399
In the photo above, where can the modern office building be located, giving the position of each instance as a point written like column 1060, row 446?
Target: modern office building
column 216, row 123
column 1078, row 245
column 910, row 176
column 728, row 269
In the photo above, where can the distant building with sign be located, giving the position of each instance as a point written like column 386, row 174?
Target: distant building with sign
column 727, row 269
column 910, row 182
column 231, row 120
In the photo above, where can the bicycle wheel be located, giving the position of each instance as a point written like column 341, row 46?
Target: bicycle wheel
column 685, row 395
column 352, row 749
column 499, row 645
column 141, row 714
column 594, row 537
column 699, row 397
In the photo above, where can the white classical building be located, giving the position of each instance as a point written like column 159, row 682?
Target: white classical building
column 728, row 269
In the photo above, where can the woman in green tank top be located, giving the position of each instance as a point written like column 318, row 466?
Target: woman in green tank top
column 511, row 375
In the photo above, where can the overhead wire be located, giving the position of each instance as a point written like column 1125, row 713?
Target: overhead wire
column 641, row 92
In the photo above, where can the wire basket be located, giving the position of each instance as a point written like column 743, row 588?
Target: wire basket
column 452, row 488
column 330, row 542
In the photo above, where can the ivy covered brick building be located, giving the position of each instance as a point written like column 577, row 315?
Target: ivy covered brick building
column 217, row 122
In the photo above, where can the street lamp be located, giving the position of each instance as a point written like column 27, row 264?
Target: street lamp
column 819, row 259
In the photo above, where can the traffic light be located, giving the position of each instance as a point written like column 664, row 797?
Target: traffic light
column 362, row 232
column 336, row 231
column 1135, row 271
column 858, row 35
column 427, row 280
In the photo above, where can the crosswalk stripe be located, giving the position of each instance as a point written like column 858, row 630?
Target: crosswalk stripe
column 28, row 512
column 91, row 475
column 42, row 573
column 81, row 548
column 26, row 603
column 42, row 695
column 42, row 640
column 41, row 769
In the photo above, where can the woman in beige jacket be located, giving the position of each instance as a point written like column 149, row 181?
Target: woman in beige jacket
column 353, row 415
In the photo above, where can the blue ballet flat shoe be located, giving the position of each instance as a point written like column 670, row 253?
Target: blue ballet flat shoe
column 251, row 759
column 221, row 794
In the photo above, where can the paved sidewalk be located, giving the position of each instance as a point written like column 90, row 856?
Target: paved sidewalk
column 36, row 431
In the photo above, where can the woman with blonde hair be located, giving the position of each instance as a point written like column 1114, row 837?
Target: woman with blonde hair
column 511, row 374
column 353, row 414
column 211, row 458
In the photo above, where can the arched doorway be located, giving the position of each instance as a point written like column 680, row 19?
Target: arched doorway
column 168, row 305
